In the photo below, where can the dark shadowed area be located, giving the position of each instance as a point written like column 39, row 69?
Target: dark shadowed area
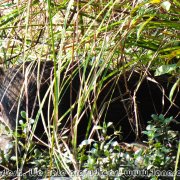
column 128, row 100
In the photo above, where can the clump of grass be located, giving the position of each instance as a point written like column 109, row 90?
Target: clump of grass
column 106, row 35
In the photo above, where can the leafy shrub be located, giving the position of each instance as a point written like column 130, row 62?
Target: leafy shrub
column 106, row 158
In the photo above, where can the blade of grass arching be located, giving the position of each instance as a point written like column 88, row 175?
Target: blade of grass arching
column 25, row 44
column 65, row 85
column 41, row 104
column 173, row 89
column 177, row 162
column 101, row 72
column 57, row 80
column 175, row 50
column 84, row 93
column 176, row 2
column 58, row 159
column 96, row 86
column 80, row 105
column 164, row 24
column 12, row 16
column 88, row 31
column 4, row 20
column 94, row 78
column 110, row 5
column 16, row 130
column 86, row 87
column 39, row 113
column 29, row 140
column 60, row 53
column 56, row 85
column 63, row 32
column 144, row 43
column 87, row 37
column 142, row 26
column 66, row 80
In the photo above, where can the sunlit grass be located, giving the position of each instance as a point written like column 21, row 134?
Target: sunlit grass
column 105, row 35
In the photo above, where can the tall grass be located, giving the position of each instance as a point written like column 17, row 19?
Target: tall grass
column 107, row 35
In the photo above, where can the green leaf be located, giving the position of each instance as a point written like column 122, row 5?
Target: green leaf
column 149, row 166
column 86, row 142
column 168, row 120
column 166, row 5
column 177, row 161
column 98, row 127
column 91, row 161
column 137, row 7
column 143, row 25
column 161, row 117
column 13, row 158
column 155, row 117
column 165, row 69
column 23, row 114
column 109, row 124
column 173, row 89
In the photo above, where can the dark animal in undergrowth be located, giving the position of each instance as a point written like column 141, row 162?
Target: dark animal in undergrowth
column 128, row 100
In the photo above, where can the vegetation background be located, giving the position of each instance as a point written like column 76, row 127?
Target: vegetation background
column 116, row 35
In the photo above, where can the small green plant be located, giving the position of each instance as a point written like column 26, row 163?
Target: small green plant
column 105, row 158
column 162, row 142
column 104, row 155
column 158, row 130
column 159, row 153
column 35, row 155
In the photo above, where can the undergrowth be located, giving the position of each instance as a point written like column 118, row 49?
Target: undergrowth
column 105, row 159
column 108, row 35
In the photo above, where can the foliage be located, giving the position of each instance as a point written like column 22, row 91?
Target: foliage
column 108, row 158
column 159, row 153
column 116, row 35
